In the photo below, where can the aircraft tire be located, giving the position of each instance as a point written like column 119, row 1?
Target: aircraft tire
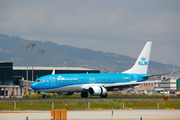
column 84, row 94
column 44, row 96
column 104, row 96
column 70, row 93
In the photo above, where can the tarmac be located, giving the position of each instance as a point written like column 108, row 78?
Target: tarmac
column 146, row 114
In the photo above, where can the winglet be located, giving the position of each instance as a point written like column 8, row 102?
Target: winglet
column 172, row 71
column 53, row 72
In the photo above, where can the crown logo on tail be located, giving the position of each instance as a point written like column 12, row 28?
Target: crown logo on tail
column 143, row 61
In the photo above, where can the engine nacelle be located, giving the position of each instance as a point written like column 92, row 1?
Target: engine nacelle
column 97, row 90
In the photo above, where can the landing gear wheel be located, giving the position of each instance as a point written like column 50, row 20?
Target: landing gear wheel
column 70, row 93
column 44, row 96
column 84, row 94
column 104, row 96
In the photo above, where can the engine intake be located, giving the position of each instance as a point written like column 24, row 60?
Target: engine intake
column 97, row 90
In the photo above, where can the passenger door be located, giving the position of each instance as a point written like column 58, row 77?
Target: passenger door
column 52, row 81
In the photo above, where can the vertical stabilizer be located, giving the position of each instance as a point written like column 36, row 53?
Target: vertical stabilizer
column 141, row 64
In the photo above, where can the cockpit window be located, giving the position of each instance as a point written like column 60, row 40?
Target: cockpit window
column 40, row 80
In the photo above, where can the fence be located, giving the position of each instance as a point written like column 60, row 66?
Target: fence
column 82, row 105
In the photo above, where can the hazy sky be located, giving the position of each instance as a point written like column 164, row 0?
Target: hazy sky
column 119, row 26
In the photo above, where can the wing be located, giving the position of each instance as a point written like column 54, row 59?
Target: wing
column 128, row 84
column 119, row 85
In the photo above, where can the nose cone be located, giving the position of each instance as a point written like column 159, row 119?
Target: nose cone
column 34, row 85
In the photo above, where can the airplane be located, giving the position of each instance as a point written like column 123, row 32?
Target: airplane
column 97, row 83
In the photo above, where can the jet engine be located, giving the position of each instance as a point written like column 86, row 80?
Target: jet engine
column 97, row 90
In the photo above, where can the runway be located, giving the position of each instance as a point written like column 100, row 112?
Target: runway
column 146, row 114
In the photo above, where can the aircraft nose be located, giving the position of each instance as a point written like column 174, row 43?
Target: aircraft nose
column 34, row 86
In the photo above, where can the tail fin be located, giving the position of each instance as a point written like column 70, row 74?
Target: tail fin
column 141, row 65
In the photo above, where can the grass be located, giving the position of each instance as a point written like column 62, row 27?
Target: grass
column 83, row 105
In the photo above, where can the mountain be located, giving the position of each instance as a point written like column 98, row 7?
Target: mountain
column 11, row 49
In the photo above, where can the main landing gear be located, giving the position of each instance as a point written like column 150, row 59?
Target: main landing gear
column 84, row 94
column 44, row 96
column 104, row 96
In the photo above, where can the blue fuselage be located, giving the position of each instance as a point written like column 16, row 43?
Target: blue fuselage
column 56, row 81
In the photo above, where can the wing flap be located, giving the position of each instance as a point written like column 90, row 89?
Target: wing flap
column 129, row 84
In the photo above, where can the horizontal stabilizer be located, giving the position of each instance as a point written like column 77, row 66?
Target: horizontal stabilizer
column 159, row 74
column 155, row 75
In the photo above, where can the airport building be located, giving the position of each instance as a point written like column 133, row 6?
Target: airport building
column 6, row 78
column 146, row 86
column 13, row 79
column 170, row 84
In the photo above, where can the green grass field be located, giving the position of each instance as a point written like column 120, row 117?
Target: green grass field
column 83, row 105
